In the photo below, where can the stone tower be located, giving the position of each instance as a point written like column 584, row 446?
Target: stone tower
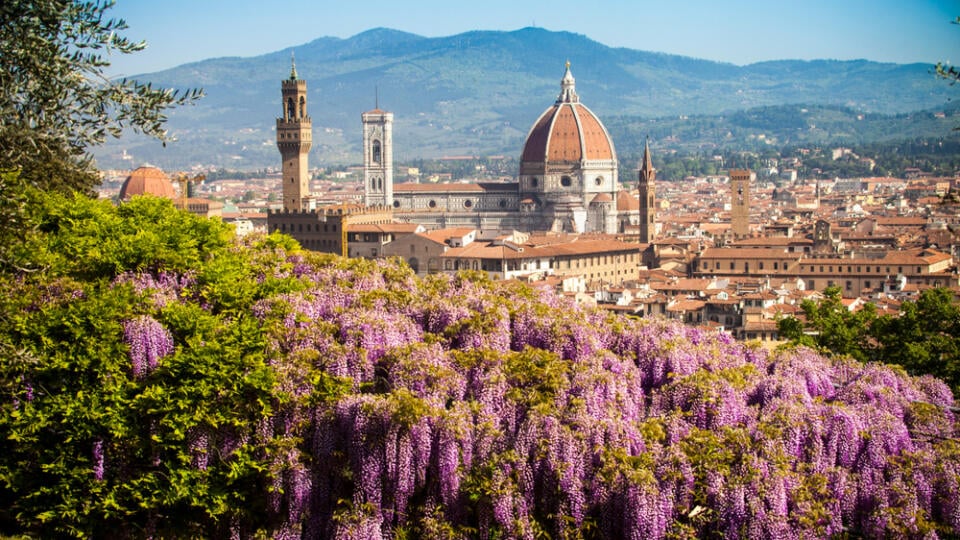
column 740, row 202
column 377, row 157
column 646, row 193
column 294, row 137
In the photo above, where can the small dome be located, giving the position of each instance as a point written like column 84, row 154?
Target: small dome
column 602, row 198
column 147, row 181
column 568, row 131
column 627, row 202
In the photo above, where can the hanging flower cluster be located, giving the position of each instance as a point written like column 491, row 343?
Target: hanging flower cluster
column 316, row 397
column 494, row 411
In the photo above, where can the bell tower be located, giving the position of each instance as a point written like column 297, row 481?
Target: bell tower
column 646, row 193
column 377, row 157
column 294, row 138
column 740, row 202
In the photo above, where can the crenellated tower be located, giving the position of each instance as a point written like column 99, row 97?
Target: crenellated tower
column 646, row 193
column 294, row 138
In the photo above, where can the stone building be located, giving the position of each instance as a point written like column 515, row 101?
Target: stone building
column 567, row 180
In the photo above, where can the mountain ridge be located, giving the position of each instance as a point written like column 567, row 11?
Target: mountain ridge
column 479, row 91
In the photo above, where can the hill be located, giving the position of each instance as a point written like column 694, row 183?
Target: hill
column 479, row 92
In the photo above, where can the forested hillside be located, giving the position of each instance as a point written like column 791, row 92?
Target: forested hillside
column 479, row 92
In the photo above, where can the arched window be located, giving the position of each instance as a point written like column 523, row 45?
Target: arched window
column 380, row 184
column 303, row 106
column 291, row 110
column 376, row 151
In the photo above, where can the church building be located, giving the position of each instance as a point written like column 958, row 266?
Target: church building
column 567, row 181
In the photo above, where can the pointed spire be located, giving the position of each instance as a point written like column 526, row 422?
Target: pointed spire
column 647, row 162
column 293, row 67
column 647, row 171
column 568, row 90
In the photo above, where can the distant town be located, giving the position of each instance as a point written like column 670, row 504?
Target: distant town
column 733, row 251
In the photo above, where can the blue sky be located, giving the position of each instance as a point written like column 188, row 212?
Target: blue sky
column 736, row 31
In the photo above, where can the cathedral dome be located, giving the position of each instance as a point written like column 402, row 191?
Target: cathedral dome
column 147, row 181
column 568, row 131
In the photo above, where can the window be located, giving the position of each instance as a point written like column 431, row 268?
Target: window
column 467, row 203
column 566, row 181
column 599, row 181
column 733, row 265
column 849, row 284
column 775, row 265
column 396, row 204
column 432, row 203
column 503, row 203
column 376, row 151
column 760, row 265
column 534, row 182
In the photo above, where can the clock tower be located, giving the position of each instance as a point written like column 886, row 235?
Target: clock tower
column 294, row 138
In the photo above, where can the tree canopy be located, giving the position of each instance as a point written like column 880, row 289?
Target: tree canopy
column 924, row 337
column 57, row 101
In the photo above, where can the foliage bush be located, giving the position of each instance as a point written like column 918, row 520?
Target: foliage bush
column 161, row 378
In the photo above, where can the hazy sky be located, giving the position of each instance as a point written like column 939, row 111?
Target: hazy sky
column 736, row 31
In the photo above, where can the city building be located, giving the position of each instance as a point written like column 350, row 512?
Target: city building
column 567, row 180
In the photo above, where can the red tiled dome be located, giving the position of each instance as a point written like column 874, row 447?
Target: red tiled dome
column 568, row 131
column 147, row 181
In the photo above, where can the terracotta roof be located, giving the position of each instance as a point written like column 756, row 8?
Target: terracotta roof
column 602, row 198
column 686, row 305
column 487, row 250
column 472, row 187
column 626, row 201
column 147, row 181
column 385, row 227
column 567, row 132
column 748, row 253
column 772, row 241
